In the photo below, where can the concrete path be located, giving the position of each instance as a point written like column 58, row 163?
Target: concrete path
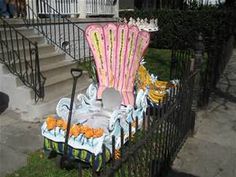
column 17, row 140
column 211, row 152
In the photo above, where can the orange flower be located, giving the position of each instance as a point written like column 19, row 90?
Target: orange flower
column 84, row 129
column 62, row 124
column 89, row 133
column 51, row 122
column 75, row 130
column 98, row 132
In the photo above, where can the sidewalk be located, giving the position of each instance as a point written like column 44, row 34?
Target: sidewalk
column 211, row 152
column 17, row 140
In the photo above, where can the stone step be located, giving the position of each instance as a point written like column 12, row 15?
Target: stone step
column 31, row 111
column 64, row 87
column 44, row 60
column 55, row 66
column 14, row 43
column 46, row 107
column 48, row 58
column 62, row 77
column 53, row 69
column 42, row 49
column 57, row 69
column 22, row 30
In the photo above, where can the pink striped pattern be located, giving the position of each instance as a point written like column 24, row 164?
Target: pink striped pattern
column 117, row 50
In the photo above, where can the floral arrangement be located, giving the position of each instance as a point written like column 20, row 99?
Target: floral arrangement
column 75, row 129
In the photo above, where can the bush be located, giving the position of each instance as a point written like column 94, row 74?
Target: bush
column 179, row 25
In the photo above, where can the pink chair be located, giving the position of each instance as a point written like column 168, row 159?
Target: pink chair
column 117, row 50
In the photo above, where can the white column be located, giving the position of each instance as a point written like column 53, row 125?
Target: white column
column 82, row 4
column 32, row 5
column 116, row 9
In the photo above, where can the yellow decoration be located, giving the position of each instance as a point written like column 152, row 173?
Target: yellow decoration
column 155, row 96
column 117, row 154
column 157, row 90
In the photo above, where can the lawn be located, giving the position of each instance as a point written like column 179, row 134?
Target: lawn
column 39, row 166
column 157, row 62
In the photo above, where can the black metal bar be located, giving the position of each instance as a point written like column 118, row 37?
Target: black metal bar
column 122, row 150
column 16, row 60
column 13, row 53
column 104, row 157
column 80, row 171
column 73, row 39
column 136, row 124
column 76, row 73
column 68, row 29
column 6, row 44
column 93, row 166
column 79, row 44
column 62, row 19
column 31, row 64
column 113, row 150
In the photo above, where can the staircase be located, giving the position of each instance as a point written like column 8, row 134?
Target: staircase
column 55, row 66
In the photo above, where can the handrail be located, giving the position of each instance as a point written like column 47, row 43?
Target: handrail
column 20, row 55
column 75, row 7
column 58, row 30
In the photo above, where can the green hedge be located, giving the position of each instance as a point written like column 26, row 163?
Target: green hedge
column 184, row 25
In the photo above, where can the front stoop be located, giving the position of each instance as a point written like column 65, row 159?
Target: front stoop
column 55, row 66
column 22, row 98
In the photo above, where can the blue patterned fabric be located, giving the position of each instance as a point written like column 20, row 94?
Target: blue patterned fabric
column 79, row 154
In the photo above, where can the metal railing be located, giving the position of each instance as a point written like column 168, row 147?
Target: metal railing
column 20, row 56
column 74, row 7
column 151, row 150
column 100, row 7
column 58, row 30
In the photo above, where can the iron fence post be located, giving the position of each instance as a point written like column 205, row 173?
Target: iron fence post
column 198, row 60
column 37, row 74
column 199, row 51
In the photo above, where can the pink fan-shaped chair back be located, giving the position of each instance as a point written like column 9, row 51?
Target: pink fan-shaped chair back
column 117, row 50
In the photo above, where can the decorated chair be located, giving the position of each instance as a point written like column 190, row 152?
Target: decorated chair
column 108, row 106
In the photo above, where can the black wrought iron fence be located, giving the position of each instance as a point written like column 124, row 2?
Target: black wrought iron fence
column 20, row 56
column 164, row 128
column 151, row 150
column 218, row 50
column 58, row 30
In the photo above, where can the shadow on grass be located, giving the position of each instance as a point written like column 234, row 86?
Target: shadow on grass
column 174, row 173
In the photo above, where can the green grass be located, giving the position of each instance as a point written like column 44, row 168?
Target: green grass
column 39, row 166
column 158, row 62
